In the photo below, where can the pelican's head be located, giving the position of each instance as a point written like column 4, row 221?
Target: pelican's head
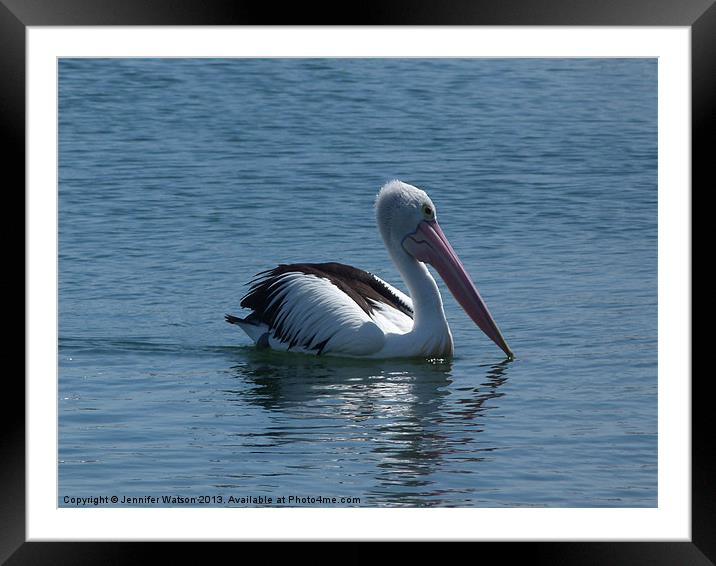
column 407, row 221
column 399, row 208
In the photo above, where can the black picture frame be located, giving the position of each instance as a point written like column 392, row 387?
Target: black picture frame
column 17, row 15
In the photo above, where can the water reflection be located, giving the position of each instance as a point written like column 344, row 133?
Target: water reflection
column 495, row 376
column 403, row 420
column 424, row 445
column 284, row 381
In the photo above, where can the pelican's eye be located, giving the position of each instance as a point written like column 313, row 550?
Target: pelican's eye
column 428, row 211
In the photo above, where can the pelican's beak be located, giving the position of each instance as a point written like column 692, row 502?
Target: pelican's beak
column 429, row 244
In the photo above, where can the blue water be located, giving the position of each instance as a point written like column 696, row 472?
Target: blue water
column 180, row 179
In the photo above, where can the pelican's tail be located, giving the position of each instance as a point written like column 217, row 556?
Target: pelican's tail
column 256, row 330
column 231, row 319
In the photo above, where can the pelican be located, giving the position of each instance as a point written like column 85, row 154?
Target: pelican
column 339, row 310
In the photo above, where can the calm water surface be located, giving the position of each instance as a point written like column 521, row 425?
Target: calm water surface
column 180, row 179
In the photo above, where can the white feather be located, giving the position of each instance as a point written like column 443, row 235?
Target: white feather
column 315, row 310
column 389, row 319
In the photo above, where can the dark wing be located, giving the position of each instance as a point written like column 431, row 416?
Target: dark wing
column 364, row 288
column 332, row 304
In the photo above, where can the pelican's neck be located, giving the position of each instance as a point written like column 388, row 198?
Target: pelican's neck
column 427, row 303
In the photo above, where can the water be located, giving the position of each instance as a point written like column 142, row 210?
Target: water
column 180, row 179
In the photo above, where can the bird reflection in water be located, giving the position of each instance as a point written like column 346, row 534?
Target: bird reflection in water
column 354, row 388
column 402, row 420
column 421, row 446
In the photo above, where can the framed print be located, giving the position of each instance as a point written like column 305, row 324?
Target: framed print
column 169, row 167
